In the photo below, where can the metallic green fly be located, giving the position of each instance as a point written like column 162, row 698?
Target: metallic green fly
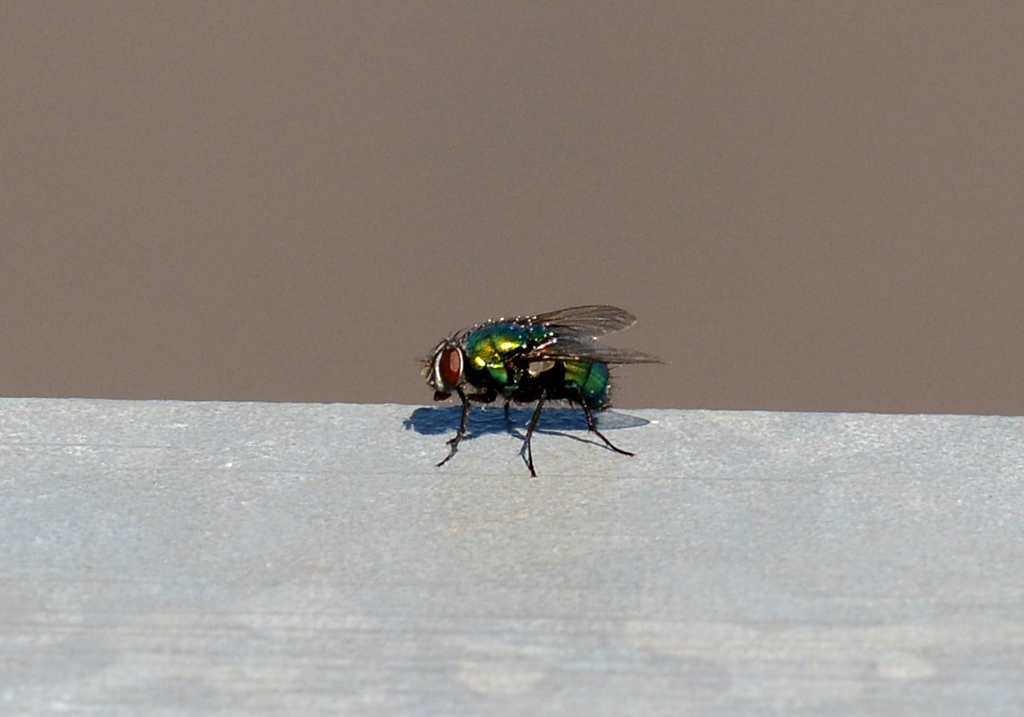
column 547, row 357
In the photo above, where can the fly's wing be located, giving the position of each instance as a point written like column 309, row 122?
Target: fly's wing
column 586, row 321
column 574, row 348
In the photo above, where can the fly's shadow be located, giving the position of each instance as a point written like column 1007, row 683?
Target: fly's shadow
column 439, row 420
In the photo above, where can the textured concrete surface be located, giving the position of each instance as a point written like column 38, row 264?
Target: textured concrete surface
column 209, row 558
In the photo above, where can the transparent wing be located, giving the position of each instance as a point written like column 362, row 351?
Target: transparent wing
column 574, row 348
column 590, row 321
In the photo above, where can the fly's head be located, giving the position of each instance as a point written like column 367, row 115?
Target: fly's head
column 444, row 369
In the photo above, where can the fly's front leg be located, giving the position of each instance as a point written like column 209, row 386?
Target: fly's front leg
column 454, row 442
column 486, row 397
column 592, row 425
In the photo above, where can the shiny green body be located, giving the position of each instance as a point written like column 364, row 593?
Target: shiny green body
column 497, row 358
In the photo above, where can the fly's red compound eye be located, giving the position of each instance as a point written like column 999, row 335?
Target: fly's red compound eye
column 450, row 366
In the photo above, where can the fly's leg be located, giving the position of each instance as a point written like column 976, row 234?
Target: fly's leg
column 592, row 425
column 454, row 442
column 527, row 442
column 486, row 397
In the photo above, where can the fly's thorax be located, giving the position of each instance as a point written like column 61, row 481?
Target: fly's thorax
column 591, row 379
column 493, row 349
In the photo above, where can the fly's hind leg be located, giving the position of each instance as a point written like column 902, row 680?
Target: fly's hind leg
column 592, row 426
column 528, row 441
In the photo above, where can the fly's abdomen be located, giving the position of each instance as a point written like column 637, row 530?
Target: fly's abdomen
column 591, row 379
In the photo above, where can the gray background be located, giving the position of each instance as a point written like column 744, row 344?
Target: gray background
column 810, row 205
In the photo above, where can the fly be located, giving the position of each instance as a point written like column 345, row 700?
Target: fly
column 542, row 358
